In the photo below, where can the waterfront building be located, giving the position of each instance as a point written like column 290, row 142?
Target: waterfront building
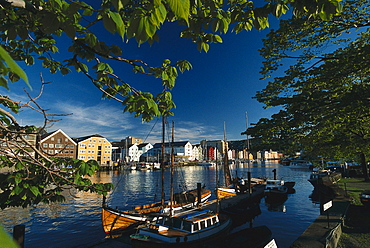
column 211, row 147
column 58, row 144
column 132, row 140
column 269, row 155
column 94, row 147
column 183, row 150
column 197, row 153
column 11, row 143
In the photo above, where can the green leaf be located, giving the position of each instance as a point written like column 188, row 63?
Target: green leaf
column 109, row 24
column 181, row 9
column 217, row 38
column 35, row 190
column 13, row 66
column 117, row 19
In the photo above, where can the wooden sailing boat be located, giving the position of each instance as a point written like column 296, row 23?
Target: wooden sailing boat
column 188, row 229
column 234, row 186
column 228, row 190
column 115, row 220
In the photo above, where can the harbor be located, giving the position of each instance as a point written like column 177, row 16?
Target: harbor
column 79, row 218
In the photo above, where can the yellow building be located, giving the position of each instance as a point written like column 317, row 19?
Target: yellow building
column 94, row 147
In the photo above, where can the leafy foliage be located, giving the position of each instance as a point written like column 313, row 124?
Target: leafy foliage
column 33, row 31
column 325, row 91
column 31, row 34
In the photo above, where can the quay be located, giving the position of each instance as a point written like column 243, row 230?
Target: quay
column 326, row 230
column 124, row 241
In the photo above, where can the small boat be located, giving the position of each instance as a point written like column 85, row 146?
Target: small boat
column 115, row 220
column 275, row 188
column 365, row 198
column 190, row 229
column 300, row 164
column 239, row 186
column 324, row 177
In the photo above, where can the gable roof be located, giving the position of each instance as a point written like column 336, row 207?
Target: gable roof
column 143, row 145
column 87, row 137
column 49, row 135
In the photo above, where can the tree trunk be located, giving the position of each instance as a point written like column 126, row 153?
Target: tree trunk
column 364, row 167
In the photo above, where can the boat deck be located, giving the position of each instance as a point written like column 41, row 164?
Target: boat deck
column 166, row 232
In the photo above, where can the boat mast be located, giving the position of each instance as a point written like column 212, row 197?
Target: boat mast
column 246, row 123
column 226, row 161
column 217, row 185
column 162, row 159
column 172, row 167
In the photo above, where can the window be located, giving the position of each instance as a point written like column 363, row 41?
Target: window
column 203, row 224
column 45, row 145
column 196, row 226
column 209, row 222
column 51, row 151
column 52, row 138
column 59, row 140
column 51, row 145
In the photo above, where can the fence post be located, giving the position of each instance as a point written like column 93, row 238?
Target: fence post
column 18, row 235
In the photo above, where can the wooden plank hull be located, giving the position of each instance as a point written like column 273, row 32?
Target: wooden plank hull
column 114, row 220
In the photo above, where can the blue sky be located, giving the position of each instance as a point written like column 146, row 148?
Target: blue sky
column 218, row 89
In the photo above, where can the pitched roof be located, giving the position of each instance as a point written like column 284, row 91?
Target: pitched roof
column 87, row 137
column 48, row 135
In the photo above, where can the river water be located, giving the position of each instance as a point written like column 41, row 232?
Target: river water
column 77, row 223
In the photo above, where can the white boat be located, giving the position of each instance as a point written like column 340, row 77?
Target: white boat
column 275, row 188
column 300, row 164
column 193, row 228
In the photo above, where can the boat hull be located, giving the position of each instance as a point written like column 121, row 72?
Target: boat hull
column 114, row 220
column 199, row 239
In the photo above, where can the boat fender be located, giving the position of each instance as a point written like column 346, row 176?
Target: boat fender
column 178, row 240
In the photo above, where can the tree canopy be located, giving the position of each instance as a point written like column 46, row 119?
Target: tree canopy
column 324, row 92
column 30, row 32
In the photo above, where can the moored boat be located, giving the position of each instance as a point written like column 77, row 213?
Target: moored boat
column 115, row 220
column 191, row 229
column 275, row 188
column 300, row 164
column 324, row 177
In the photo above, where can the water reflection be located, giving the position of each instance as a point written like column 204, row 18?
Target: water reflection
column 76, row 222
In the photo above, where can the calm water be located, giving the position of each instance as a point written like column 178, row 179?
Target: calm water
column 76, row 222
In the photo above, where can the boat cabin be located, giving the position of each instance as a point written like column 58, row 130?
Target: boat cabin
column 274, row 183
column 190, row 223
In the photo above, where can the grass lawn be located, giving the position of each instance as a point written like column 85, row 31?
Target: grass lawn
column 356, row 229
